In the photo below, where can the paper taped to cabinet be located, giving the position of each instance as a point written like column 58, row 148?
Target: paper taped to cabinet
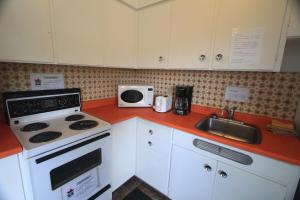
column 246, row 47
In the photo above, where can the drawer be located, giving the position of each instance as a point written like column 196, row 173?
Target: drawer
column 154, row 131
column 157, row 146
column 154, row 137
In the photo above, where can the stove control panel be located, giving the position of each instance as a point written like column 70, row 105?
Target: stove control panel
column 31, row 106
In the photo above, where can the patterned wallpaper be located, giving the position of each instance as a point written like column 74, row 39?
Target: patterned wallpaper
column 272, row 94
column 95, row 83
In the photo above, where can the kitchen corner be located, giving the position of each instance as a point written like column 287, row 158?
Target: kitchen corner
column 150, row 100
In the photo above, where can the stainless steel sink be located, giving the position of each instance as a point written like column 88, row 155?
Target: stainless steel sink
column 230, row 129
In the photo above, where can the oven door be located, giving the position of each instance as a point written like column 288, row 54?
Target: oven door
column 77, row 171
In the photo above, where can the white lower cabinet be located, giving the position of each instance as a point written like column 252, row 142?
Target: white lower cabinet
column 195, row 177
column 153, row 154
column 191, row 175
column 123, row 152
column 234, row 184
column 11, row 187
column 263, row 179
column 170, row 161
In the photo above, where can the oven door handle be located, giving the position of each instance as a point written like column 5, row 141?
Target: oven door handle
column 71, row 148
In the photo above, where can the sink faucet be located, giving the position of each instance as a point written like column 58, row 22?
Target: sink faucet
column 230, row 112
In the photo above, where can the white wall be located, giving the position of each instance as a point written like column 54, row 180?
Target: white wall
column 291, row 57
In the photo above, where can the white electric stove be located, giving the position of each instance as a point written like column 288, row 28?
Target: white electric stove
column 42, row 135
column 66, row 153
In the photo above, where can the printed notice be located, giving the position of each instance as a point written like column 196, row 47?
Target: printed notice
column 235, row 93
column 46, row 81
column 82, row 187
column 246, row 47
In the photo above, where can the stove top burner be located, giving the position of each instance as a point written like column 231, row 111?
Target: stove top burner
column 83, row 125
column 74, row 118
column 45, row 136
column 35, row 126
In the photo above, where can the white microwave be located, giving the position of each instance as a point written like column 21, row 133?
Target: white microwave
column 135, row 95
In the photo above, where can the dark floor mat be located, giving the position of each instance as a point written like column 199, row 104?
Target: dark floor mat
column 137, row 194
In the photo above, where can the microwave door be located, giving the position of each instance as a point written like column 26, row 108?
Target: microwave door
column 132, row 96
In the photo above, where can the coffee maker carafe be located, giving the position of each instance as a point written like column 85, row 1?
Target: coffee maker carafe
column 183, row 100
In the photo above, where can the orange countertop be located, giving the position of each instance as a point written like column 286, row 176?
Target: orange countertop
column 9, row 144
column 280, row 147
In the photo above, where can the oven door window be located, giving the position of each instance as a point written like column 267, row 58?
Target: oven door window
column 132, row 96
column 71, row 170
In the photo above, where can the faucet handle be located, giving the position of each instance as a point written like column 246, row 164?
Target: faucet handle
column 233, row 108
column 225, row 109
column 231, row 112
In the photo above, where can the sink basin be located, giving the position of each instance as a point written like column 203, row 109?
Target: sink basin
column 230, row 129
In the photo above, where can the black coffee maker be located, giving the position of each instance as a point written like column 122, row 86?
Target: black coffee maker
column 183, row 100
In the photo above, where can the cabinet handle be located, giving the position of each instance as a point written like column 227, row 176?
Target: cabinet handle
column 207, row 167
column 202, row 58
column 222, row 174
column 150, row 143
column 151, row 132
column 219, row 57
column 160, row 59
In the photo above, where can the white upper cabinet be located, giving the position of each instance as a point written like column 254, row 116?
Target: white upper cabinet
column 191, row 34
column 139, row 4
column 243, row 35
column 25, row 31
column 258, row 25
column 79, row 31
column 154, row 34
column 120, row 39
column 294, row 25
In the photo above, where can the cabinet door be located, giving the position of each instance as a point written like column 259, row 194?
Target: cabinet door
column 123, row 152
column 191, row 34
column 154, row 29
column 234, row 184
column 256, row 24
column 120, row 35
column 153, row 154
column 78, row 31
column 25, row 31
column 11, row 187
column 191, row 175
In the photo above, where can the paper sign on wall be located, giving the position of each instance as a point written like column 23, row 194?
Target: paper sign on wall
column 235, row 93
column 246, row 47
column 46, row 81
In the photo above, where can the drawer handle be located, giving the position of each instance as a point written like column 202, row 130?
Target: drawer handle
column 222, row 174
column 207, row 167
column 151, row 132
column 150, row 143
